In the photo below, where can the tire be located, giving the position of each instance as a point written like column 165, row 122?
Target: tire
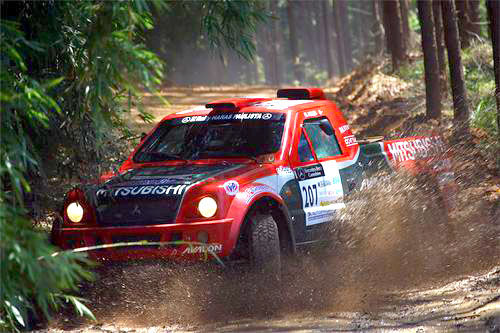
column 265, row 254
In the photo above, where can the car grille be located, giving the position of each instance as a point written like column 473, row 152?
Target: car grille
column 138, row 212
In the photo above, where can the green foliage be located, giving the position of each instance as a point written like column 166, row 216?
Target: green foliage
column 232, row 23
column 70, row 72
column 100, row 49
column 31, row 278
column 413, row 71
column 480, row 81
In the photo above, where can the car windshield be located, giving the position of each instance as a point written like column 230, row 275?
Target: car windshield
column 217, row 135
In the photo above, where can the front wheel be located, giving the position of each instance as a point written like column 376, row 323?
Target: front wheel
column 265, row 255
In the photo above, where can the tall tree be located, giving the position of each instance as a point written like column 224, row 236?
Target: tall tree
column 474, row 18
column 327, row 42
column 264, row 44
column 465, row 24
column 275, row 65
column 438, row 31
column 377, row 28
column 343, row 12
column 318, row 15
column 405, row 26
column 393, row 32
column 431, row 64
column 340, row 37
column 294, row 47
column 493, row 7
column 452, row 41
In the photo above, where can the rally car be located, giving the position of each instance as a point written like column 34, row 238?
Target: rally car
column 240, row 178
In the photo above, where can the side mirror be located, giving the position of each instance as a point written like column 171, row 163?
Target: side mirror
column 326, row 127
column 143, row 135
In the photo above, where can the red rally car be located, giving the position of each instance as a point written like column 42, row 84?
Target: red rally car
column 242, row 178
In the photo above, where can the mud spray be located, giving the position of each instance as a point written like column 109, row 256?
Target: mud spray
column 393, row 236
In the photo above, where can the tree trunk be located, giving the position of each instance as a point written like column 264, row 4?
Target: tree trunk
column 319, row 33
column 275, row 70
column 307, row 45
column 493, row 7
column 431, row 64
column 294, row 51
column 393, row 32
column 326, row 26
column 340, row 38
column 474, row 19
column 463, row 23
column 263, row 51
column 452, row 41
column 377, row 29
column 346, row 33
column 357, row 24
column 438, row 30
column 405, row 26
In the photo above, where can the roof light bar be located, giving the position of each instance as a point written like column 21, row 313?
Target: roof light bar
column 301, row 93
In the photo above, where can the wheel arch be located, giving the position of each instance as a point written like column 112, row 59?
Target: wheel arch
column 280, row 214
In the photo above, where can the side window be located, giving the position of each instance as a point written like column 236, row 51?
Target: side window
column 324, row 145
column 305, row 154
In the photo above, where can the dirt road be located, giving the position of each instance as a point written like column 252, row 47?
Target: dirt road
column 406, row 277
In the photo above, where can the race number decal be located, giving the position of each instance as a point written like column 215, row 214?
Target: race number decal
column 321, row 191
column 310, row 195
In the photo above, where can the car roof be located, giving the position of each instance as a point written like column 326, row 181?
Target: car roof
column 254, row 105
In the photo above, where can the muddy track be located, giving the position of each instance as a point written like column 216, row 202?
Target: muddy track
column 402, row 269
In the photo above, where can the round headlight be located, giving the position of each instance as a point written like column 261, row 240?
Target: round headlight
column 75, row 212
column 207, row 207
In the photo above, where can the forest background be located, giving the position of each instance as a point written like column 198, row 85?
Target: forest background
column 72, row 71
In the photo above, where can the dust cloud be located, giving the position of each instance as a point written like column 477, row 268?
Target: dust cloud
column 394, row 236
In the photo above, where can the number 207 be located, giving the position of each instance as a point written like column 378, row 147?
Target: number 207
column 310, row 195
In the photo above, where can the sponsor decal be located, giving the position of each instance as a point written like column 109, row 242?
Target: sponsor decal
column 284, row 171
column 414, row 149
column 253, row 191
column 309, row 114
column 136, row 211
column 309, row 172
column 142, row 190
column 343, row 128
column 350, row 140
column 194, row 119
column 324, row 183
column 228, row 116
column 206, row 248
column 154, row 181
column 320, row 215
column 231, row 187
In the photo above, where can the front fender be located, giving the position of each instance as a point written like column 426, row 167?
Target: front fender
column 244, row 202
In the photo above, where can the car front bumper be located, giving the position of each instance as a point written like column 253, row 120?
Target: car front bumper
column 178, row 241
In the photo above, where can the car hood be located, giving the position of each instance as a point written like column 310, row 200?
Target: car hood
column 151, row 195
column 160, row 181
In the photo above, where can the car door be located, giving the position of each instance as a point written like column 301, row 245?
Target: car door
column 326, row 148
column 318, row 182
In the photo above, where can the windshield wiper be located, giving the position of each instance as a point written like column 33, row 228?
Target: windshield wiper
column 163, row 155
